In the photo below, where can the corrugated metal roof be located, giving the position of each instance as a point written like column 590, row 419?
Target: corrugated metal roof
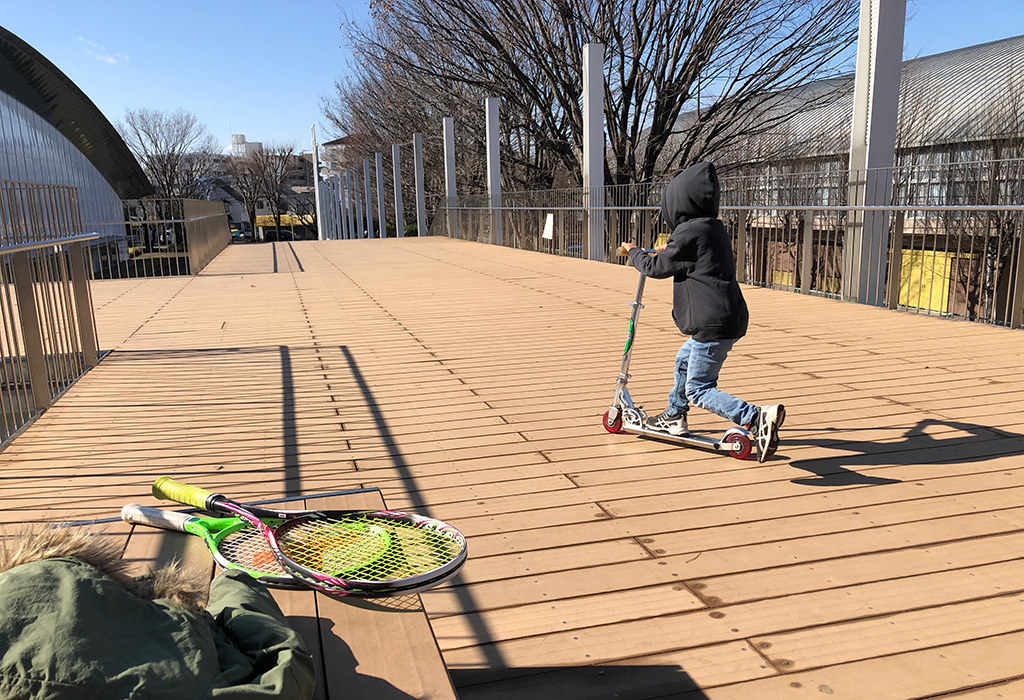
column 961, row 96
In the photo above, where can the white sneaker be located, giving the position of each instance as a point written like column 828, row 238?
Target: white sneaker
column 766, row 430
column 669, row 422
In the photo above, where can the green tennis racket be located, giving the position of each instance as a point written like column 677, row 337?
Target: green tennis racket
column 344, row 552
column 233, row 542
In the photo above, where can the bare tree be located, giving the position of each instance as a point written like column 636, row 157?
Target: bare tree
column 174, row 149
column 271, row 168
column 686, row 77
column 246, row 180
column 302, row 203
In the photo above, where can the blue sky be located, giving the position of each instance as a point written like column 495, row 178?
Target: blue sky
column 260, row 67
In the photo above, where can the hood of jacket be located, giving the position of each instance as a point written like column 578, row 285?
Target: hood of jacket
column 692, row 194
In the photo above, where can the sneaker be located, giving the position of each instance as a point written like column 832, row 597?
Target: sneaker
column 669, row 422
column 766, row 430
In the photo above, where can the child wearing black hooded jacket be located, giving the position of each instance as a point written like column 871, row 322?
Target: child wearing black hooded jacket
column 707, row 305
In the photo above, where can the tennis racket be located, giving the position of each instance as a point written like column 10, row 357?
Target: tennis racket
column 344, row 552
column 233, row 542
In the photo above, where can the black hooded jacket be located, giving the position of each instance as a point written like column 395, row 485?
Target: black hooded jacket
column 706, row 300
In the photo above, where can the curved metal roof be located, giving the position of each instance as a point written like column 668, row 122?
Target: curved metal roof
column 960, row 96
column 27, row 76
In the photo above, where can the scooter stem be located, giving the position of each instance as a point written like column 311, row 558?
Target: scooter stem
column 621, row 395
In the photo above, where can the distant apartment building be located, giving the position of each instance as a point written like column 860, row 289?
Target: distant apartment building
column 240, row 148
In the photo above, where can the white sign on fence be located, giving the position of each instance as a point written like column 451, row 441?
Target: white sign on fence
column 549, row 228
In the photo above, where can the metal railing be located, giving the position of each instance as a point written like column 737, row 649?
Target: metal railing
column 158, row 238
column 951, row 235
column 47, row 329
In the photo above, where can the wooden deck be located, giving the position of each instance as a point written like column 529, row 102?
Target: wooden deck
column 878, row 555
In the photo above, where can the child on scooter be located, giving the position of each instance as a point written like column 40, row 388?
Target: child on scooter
column 707, row 305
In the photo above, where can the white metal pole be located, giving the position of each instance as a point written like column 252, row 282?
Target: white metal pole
column 396, row 163
column 338, row 194
column 343, row 201
column 354, row 209
column 360, row 222
column 492, row 106
column 368, row 193
column 316, row 183
column 379, row 167
column 593, row 149
column 872, row 147
column 449, row 173
column 350, row 204
column 421, row 197
column 334, row 206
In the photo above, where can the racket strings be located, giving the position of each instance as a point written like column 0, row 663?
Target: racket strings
column 366, row 548
column 247, row 547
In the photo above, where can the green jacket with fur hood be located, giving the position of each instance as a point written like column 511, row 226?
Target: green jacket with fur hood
column 69, row 630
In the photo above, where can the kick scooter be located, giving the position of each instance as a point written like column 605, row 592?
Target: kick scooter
column 626, row 417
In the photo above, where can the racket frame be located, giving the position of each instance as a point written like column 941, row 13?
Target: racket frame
column 169, row 489
column 212, row 531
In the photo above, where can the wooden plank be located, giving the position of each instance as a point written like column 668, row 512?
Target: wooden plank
column 376, row 648
column 999, row 691
column 894, row 634
column 925, row 673
column 459, row 631
column 604, row 643
column 491, row 589
column 663, row 675
column 863, row 568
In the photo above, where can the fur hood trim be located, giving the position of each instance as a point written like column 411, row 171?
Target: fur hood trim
column 183, row 587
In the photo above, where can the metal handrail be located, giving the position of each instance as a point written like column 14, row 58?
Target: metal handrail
column 747, row 207
column 35, row 245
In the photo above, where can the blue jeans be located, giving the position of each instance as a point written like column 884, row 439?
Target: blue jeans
column 697, row 368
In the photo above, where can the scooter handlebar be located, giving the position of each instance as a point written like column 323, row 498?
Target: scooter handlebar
column 620, row 251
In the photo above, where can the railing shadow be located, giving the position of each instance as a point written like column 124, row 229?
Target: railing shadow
column 969, row 442
column 636, row 681
column 344, row 664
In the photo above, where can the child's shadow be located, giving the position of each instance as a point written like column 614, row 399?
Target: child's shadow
column 968, row 443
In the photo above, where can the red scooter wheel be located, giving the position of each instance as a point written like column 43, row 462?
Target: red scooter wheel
column 612, row 426
column 739, row 443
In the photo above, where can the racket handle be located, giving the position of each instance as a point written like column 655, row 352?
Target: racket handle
column 168, row 489
column 166, row 519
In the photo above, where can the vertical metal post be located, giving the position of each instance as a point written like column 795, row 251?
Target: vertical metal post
column 360, row 224
column 896, row 263
column 335, row 205
column 421, row 196
column 741, row 245
column 806, row 250
column 353, row 226
column 83, row 305
column 379, row 167
column 368, row 193
column 343, row 198
column 1017, row 306
column 561, row 233
column 396, row 163
column 31, row 334
column 329, row 205
column 449, row 173
column 593, row 150
column 872, row 147
column 316, row 183
column 492, row 105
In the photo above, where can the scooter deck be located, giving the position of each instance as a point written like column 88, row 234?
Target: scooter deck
column 690, row 440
